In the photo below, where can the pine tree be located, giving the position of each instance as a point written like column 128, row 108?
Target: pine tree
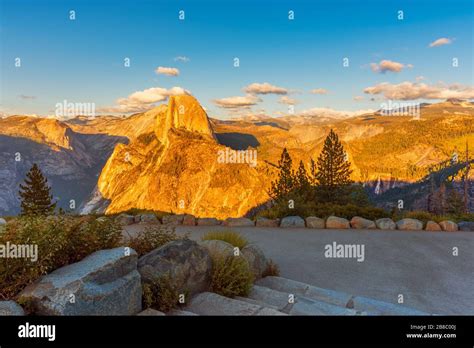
column 301, row 179
column 286, row 177
column 454, row 202
column 333, row 169
column 35, row 194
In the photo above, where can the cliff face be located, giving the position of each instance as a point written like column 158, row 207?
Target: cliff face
column 176, row 168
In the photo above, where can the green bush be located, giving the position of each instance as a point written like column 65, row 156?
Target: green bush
column 229, row 236
column 323, row 210
column 272, row 269
column 152, row 237
column 426, row 216
column 60, row 240
column 231, row 275
column 160, row 294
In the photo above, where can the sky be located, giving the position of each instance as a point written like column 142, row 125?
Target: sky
column 285, row 65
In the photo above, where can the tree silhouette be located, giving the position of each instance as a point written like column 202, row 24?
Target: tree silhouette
column 332, row 169
column 286, row 180
column 35, row 194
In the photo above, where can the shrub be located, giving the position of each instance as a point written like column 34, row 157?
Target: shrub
column 231, row 275
column 272, row 269
column 152, row 237
column 323, row 210
column 229, row 236
column 60, row 240
column 160, row 294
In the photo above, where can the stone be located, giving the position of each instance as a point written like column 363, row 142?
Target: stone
column 466, row 225
column 137, row 219
column 102, row 219
column 335, row 222
column 173, row 219
column 150, row 312
column 449, row 226
column 432, row 226
column 264, row 222
column 409, row 225
column 361, row 223
column 189, row 220
column 208, row 222
column 10, row 308
column 104, row 283
column 306, row 306
column 315, row 222
column 125, row 219
column 238, row 222
column 208, row 303
column 385, row 224
column 218, row 246
column 256, row 259
column 3, row 221
column 187, row 263
column 377, row 307
column 149, row 219
column 179, row 312
column 292, row 221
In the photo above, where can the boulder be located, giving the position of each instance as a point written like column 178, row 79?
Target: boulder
column 137, row 219
column 150, row 312
column 256, row 259
column 449, row 226
column 149, row 219
column 188, row 263
column 264, row 222
column 189, row 220
column 10, row 308
column 3, row 221
column 385, row 224
column 315, row 222
column 466, row 225
column 335, row 222
column 409, row 224
column 361, row 223
column 125, row 219
column 104, row 283
column 208, row 222
column 173, row 219
column 238, row 222
column 292, row 221
column 218, row 246
column 432, row 226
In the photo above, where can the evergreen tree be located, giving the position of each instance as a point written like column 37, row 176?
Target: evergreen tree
column 286, row 180
column 333, row 169
column 35, row 194
column 301, row 179
column 454, row 202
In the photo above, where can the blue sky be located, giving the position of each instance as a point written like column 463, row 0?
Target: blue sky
column 82, row 60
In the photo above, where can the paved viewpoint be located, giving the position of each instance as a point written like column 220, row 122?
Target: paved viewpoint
column 419, row 265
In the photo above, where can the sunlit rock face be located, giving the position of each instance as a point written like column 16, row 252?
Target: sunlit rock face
column 176, row 168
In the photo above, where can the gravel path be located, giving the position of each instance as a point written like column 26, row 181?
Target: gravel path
column 419, row 265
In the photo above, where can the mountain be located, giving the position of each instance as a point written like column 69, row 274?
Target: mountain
column 168, row 157
column 174, row 167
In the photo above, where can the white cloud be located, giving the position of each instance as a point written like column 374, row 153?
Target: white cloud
column 167, row 71
column 440, row 42
column 410, row 91
column 319, row 91
column 332, row 113
column 264, row 88
column 143, row 100
column 237, row 102
column 287, row 100
column 388, row 65
column 183, row 59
